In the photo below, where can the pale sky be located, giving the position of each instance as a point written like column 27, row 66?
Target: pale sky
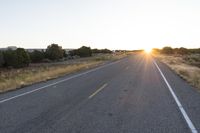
column 113, row 24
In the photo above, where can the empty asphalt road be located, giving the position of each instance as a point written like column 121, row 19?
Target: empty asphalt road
column 132, row 95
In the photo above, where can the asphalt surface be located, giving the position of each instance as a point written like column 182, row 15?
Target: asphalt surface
column 127, row 96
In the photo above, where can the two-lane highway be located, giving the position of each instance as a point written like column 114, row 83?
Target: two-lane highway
column 130, row 95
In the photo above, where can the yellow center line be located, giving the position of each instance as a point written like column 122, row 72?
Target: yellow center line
column 93, row 94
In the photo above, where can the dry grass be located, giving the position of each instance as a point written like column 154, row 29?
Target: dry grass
column 183, row 67
column 111, row 57
column 11, row 79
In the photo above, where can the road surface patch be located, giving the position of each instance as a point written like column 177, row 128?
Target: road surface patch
column 127, row 68
column 186, row 117
column 55, row 83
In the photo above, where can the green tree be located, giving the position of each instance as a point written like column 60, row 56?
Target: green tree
column 10, row 57
column 16, row 58
column 1, row 59
column 84, row 51
column 54, row 52
column 23, row 58
column 37, row 56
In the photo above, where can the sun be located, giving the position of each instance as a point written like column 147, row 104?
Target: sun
column 148, row 50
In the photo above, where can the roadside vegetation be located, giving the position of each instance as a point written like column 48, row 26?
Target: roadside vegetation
column 185, row 62
column 19, row 67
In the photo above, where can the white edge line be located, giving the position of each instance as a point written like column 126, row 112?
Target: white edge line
column 93, row 94
column 72, row 77
column 187, row 119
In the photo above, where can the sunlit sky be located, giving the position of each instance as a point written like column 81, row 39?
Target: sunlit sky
column 113, row 24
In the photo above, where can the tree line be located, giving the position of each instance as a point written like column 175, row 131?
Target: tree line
column 181, row 51
column 22, row 58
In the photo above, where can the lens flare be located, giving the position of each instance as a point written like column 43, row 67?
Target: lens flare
column 148, row 50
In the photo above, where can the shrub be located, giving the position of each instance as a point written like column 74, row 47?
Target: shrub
column 95, row 51
column 167, row 50
column 54, row 52
column 105, row 51
column 65, row 54
column 37, row 56
column 23, row 57
column 16, row 58
column 10, row 57
column 1, row 59
column 73, row 52
column 194, row 51
column 182, row 51
column 84, row 51
column 101, row 51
